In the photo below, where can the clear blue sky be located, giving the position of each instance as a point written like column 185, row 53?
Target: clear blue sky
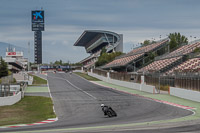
column 65, row 20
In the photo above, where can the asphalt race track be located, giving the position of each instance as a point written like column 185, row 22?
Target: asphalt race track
column 77, row 104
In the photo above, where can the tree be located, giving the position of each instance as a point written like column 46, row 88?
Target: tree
column 146, row 42
column 176, row 39
column 58, row 62
column 103, row 50
column 3, row 68
column 105, row 58
column 197, row 50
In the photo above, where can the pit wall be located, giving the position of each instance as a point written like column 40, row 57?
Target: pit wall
column 136, row 86
column 10, row 100
column 186, row 94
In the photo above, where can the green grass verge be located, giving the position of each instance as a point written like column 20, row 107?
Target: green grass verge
column 86, row 76
column 29, row 110
column 38, row 80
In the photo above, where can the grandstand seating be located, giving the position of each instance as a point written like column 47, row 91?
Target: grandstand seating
column 158, row 65
column 90, row 64
column 147, row 48
column 170, row 58
column 123, row 61
column 186, row 49
column 134, row 54
column 90, row 61
column 189, row 65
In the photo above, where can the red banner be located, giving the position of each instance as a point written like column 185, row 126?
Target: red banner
column 11, row 53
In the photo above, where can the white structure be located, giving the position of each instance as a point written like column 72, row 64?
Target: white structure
column 15, row 60
column 10, row 100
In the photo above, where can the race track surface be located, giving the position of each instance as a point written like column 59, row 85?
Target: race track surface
column 77, row 104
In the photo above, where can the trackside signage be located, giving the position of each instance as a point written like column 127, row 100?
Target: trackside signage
column 14, row 53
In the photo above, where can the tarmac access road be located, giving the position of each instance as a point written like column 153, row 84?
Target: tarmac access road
column 77, row 105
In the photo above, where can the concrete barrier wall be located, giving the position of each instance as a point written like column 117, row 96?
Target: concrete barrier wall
column 136, row 86
column 10, row 100
column 98, row 76
column 186, row 94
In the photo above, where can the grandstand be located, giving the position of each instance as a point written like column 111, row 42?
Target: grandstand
column 191, row 65
column 135, row 58
column 180, row 68
column 160, row 65
column 90, row 61
column 95, row 40
column 168, row 63
column 184, row 50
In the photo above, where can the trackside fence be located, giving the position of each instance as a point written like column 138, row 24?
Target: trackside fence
column 190, row 81
column 100, row 72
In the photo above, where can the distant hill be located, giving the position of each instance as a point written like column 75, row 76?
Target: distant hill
column 4, row 45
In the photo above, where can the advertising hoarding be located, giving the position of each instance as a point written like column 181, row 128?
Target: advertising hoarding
column 37, row 20
column 38, row 16
column 14, row 53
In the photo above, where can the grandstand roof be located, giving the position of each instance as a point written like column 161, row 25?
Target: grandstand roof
column 95, row 40
column 88, row 35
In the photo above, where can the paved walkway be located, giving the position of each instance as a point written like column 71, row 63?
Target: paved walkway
column 161, row 97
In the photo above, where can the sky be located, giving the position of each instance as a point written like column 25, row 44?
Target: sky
column 66, row 20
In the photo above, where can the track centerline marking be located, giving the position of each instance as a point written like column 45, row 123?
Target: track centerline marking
column 76, row 87
column 81, row 89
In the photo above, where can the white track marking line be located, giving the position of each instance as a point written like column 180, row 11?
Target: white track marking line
column 75, row 87
column 81, row 89
column 50, row 95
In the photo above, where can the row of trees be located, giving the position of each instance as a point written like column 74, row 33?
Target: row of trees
column 61, row 63
column 147, row 42
column 3, row 68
